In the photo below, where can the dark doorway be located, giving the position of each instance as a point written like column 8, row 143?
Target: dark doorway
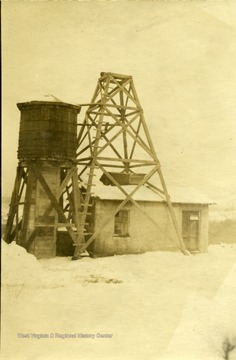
column 64, row 244
column 190, row 229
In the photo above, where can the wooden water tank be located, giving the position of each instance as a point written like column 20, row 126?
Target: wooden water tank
column 48, row 130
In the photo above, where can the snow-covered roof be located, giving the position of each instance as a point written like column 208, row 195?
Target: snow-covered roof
column 177, row 194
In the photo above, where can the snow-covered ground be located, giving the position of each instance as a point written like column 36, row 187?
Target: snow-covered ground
column 157, row 305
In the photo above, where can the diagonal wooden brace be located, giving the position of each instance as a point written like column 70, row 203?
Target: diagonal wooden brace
column 53, row 199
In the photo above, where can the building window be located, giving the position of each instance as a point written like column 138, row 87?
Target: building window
column 121, row 224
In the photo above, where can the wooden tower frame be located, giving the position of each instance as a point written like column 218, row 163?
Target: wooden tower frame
column 120, row 141
column 114, row 140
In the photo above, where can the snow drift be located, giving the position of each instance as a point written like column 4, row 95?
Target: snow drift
column 157, row 305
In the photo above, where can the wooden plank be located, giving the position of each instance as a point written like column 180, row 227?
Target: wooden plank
column 82, row 124
column 24, row 182
column 81, row 139
column 83, row 150
column 89, row 183
column 172, row 213
column 90, row 105
column 82, row 129
column 17, row 210
column 31, row 238
column 127, row 98
column 71, row 208
column 12, row 207
column 119, row 76
column 116, row 106
column 83, row 170
column 77, row 205
column 135, row 142
column 84, row 159
column 145, row 125
column 137, row 111
column 40, row 224
column 67, row 178
column 12, row 235
column 28, row 202
column 87, row 233
column 151, row 186
column 125, row 143
column 114, row 166
column 141, row 165
column 147, row 162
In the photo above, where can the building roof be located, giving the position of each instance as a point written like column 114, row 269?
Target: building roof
column 47, row 99
column 177, row 194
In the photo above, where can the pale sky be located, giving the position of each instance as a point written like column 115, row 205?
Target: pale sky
column 182, row 56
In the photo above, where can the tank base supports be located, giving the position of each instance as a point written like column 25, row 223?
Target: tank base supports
column 45, row 198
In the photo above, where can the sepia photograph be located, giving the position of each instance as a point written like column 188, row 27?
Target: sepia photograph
column 118, row 180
